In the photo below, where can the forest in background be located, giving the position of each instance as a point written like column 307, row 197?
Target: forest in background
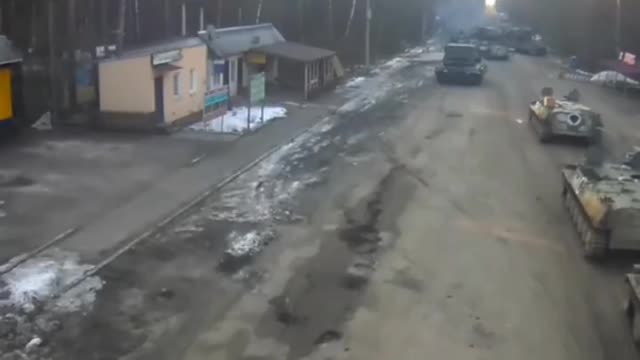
column 586, row 28
column 335, row 24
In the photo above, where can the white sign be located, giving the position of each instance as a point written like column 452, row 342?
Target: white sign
column 166, row 57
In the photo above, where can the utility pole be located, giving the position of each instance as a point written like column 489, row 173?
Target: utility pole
column 330, row 24
column 71, row 65
column 201, row 18
column 184, row 19
column 122, row 20
column 618, row 34
column 167, row 19
column 51, row 16
column 219, row 14
column 367, row 38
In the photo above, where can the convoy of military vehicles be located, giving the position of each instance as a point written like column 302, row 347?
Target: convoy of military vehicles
column 602, row 198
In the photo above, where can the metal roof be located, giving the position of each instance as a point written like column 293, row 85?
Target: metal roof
column 232, row 41
column 296, row 51
column 8, row 53
column 175, row 44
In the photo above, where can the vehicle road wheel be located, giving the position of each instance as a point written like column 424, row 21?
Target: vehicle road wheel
column 635, row 329
column 594, row 243
column 628, row 308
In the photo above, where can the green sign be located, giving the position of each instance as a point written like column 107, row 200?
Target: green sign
column 257, row 87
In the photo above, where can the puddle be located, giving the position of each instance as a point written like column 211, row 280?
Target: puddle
column 15, row 180
column 328, row 336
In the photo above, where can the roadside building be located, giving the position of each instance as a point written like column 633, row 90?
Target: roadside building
column 230, row 60
column 302, row 67
column 11, row 98
column 237, row 53
column 154, row 87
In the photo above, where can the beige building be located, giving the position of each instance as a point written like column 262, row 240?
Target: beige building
column 155, row 87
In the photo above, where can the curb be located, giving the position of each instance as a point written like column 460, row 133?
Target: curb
column 181, row 211
column 37, row 251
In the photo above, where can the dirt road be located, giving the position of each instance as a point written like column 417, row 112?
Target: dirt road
column 425, row 223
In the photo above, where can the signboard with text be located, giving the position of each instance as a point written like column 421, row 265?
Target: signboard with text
column 166, row 57
column 258, row 91
column 216, row 102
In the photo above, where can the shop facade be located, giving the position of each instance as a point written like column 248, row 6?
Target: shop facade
column 156, row 87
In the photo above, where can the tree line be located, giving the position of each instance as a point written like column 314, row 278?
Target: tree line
column 336, row 24
column 586, row 28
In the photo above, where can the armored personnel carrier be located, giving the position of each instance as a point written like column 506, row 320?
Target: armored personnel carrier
column 551, row 117
column 603, row 200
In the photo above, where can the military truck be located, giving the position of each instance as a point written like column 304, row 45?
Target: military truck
column 551, row 118
column 462, row 63
column 603, row 201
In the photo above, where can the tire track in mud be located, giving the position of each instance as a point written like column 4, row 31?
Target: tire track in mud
column 329, row 287
column 147, row 286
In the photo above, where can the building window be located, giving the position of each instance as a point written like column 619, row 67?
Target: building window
column 177, row 86
column 193, row 88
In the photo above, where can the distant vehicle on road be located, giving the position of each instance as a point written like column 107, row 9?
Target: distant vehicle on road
column 603, row 200
column 551, row 117
column 525, row 41
column 497, row 52
column 462, row 63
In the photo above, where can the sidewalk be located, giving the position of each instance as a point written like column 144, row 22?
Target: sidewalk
column 133, row 218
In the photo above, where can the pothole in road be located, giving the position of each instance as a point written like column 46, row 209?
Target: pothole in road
column 10, row 179
column 328, row 336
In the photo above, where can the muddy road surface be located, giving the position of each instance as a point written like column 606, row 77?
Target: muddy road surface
column 421, row 221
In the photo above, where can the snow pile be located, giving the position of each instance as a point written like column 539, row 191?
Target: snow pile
column 265, row 194
column 355, row 82
column 38, row 279
column 612, row 78
column 247, row 244
column 235, row 121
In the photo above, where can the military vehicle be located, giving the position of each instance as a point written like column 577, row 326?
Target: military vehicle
column 497, row 52
column 551, row 117
column 632, row 303
column 603, row 200
column 462, row 63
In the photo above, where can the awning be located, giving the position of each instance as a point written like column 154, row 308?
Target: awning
column 165, row 68
column 8, row 54
column 296, row 51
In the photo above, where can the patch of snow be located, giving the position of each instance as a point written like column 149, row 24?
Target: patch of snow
column 235, row 121
column 247, row 244
column 33, row 343
column 263, row 195
column 611, row 78
column 355, row 82
column 43, row 123
column 395, row 63
column 39, row 279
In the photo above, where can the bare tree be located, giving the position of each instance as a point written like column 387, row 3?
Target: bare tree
column 350, row 21
column 301, row 19
column 122, row 12
column 330, row 20
column 259, row 12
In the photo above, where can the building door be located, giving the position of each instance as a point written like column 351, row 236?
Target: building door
column 159, row 95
